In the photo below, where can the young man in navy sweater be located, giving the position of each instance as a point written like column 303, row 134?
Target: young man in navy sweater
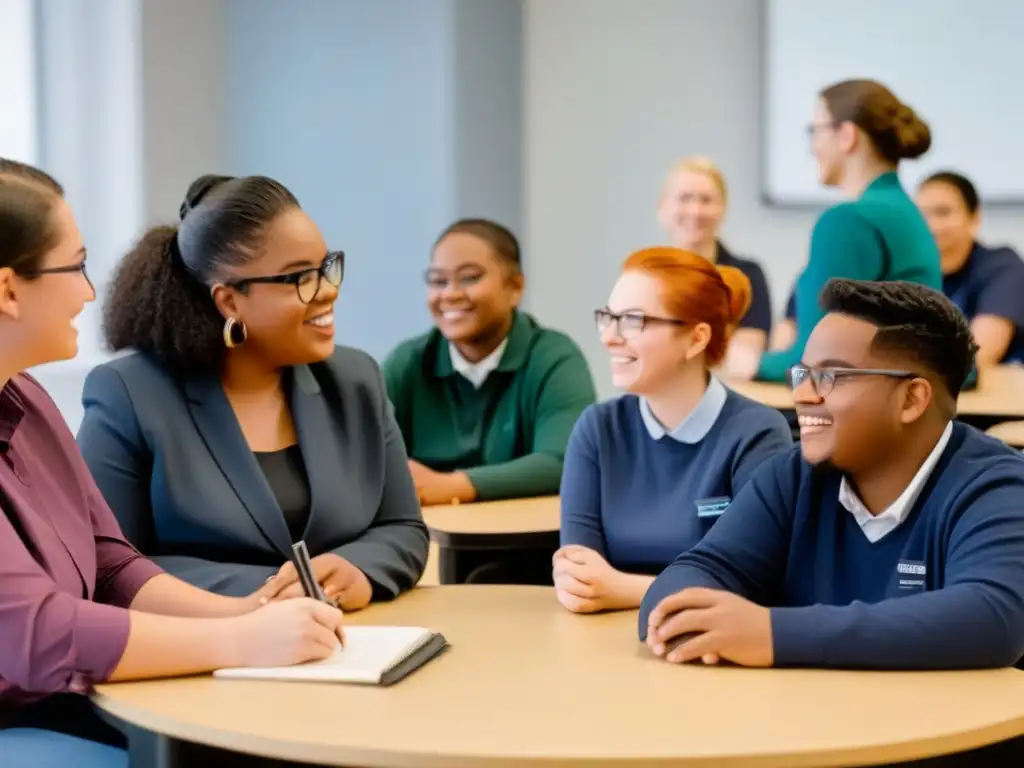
column 896, row 541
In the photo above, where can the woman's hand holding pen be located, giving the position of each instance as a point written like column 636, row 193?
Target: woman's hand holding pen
column 284, row 633
column 341, row 582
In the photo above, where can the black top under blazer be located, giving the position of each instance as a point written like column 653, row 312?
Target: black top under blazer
column 170, row 458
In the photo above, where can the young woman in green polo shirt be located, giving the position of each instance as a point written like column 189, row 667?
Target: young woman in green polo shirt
column 859, row 134
column 487, row 399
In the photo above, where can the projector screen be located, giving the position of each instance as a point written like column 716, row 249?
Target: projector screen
column 957, row 64
column 18, row 130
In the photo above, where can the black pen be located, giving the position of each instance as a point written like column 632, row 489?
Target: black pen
column 304, row 567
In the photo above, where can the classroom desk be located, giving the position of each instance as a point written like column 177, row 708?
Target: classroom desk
column 516, row 524
column 528, row 684
column 1010, row 432
column 999, row 394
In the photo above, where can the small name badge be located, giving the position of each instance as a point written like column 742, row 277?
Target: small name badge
column 911, row 574
column 713, row 507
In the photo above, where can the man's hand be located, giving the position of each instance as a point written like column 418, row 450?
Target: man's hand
column 711, row 625
column 340, row 580
column 440, row 487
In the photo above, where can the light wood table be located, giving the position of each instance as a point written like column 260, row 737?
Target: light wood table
column 516, row 524
column 528, row 684
column 1010, row 432
column 999, row 394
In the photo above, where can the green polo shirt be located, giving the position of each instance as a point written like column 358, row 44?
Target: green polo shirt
column 509, row 436
column 880, row 236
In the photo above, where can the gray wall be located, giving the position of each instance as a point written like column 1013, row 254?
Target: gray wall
column 388, row 120
column 614, row 95
column 182, row 99
column 391, row 118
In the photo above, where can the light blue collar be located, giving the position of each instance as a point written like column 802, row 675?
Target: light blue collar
column 694, row 427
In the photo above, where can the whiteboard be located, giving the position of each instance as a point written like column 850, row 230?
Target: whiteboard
column 959, row 64
column 18, row 129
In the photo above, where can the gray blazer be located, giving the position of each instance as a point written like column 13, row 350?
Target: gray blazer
column 170, row 458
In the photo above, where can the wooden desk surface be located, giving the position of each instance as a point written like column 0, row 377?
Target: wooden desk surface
column 1010, row 432
column 997, row 393
column 539, row 515
column 527, row 683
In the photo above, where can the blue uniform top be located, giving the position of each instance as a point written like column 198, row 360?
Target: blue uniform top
column 991, row 282
column 639, row 494
column 944, row 590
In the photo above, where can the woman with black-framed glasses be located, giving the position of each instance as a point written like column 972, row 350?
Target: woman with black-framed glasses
column 239, row 427
column 648, row 474
column 78, row 604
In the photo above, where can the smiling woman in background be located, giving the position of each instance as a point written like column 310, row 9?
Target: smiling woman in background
column 987, row 284
column 690, row 211
column 78, row 604
column 648, row 474
column 487, row 399
column 859, row 134
column 238, row 427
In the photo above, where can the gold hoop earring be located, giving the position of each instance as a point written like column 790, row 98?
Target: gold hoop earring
column 235, row 333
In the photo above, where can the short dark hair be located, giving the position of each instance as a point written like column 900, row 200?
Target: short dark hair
column 27, row 232
column 912, row 320
column 499, row 238
column 893, row 127
column 964, row 187
column 159, row 301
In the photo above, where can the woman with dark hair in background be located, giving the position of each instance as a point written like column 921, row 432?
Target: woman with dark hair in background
column 987, row 284
column 238, row 427
column 487, row 399
column 859, row 134
column 78, row 604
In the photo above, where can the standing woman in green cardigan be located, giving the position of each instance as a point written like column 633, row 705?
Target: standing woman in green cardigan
column 859, row 134
column 486, row 400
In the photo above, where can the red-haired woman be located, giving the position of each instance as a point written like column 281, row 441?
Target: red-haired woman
column 647, row 474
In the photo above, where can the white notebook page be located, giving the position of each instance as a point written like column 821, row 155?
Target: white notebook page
column 368, row 653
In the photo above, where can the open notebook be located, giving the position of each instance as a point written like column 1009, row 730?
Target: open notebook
column 372, row 655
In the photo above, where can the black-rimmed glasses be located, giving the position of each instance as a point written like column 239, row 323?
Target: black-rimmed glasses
column 824, row 379
column 306, row 281
column 65, row 270
column 628, row 325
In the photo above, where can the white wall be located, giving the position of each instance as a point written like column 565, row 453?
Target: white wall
column 613, row 95
column 182, row 99
column 124, row 132
column 18, row 131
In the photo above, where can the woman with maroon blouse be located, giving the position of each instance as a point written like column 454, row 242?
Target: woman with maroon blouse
column 78, row 604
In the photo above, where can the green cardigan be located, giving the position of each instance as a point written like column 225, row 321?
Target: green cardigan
column 881, row 236
column 510, row 435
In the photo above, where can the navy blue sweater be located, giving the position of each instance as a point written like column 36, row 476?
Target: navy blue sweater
column 945, row 590
column 640, row 501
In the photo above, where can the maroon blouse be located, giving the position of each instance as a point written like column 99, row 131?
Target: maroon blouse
column 67, row 575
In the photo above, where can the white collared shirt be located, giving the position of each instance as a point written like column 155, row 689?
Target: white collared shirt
column 877, row 527
column 477, row 373
column 697, row 424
